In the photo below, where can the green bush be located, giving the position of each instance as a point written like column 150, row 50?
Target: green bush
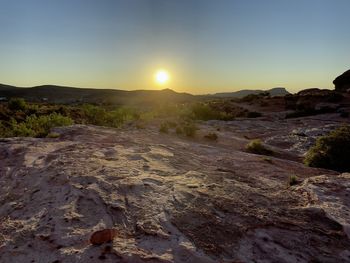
column 253, row 114
column 34, row 126
column 42, row 125
column 53, row 135
column 111, row 118
column 190, row 129
column 171, row 124
column 293, row 180
column 267, row 159
column 212, row 136
column 331, row 151
column 205, row 112
column 17, row 104
column 256, row 146
column 164, row 128
column 19, row 130
column 179, row 130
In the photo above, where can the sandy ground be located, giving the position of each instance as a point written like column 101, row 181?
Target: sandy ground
column 169, row 198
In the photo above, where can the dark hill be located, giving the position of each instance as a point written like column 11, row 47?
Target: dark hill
column 60, row 94
column 245, row 92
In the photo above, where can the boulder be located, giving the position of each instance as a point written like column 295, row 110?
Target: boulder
column 102, row 236
column 342, row 82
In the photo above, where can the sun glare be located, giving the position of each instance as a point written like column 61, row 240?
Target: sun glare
column 162, row 77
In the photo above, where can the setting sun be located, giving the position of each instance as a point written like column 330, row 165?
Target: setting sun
column 161, row 77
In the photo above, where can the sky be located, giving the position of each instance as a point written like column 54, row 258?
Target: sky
column 207, row 46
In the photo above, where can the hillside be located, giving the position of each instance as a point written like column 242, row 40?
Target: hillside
column 59, row 94
column 245, row 92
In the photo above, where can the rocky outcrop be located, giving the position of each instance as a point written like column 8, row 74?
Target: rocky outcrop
column 163, row 198
column 242, row 93
column 308, row 99
column 342, row 82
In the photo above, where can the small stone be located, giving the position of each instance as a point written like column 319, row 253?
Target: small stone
column 102, row 236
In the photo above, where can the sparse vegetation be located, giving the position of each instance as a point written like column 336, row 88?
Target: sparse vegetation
column 53, row 135
column 256, row 146
column 212, row 136
column 308, row 112
column 189, row 129
column 164, row 128
column 267, row 159
column 205, row 112
column 255, row 97
column 171, row 124
column 179, row 130
column 297, row 114
column 140, row 125
column 293, row 180
column 344, row 114
column 17, row 104
column 253, row 114
column 100, row 116
column 331, row 151
column 34, row 126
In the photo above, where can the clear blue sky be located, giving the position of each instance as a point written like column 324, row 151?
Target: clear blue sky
column 206, row 45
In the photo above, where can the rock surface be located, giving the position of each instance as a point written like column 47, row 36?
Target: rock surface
column 168, row 198
column 342, row 82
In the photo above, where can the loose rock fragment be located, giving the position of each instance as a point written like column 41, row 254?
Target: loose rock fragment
column 102, row 236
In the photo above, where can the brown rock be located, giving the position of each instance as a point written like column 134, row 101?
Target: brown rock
column 102, row 236
column 342, row 82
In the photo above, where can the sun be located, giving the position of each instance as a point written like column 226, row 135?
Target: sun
column 161, row 77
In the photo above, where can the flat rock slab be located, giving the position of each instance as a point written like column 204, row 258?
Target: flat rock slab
column 169, row 199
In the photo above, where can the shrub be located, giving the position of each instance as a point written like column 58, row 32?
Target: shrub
column 264, row 104
column 293, row 180
column 190, row 129
column 164, row 128
column 33, row 126
column 140, row 125
column 179, row 130
column 43, row 124
column 254, row 114
column 331, row 151
column 309, row 112
column 17, row 104
column 53, row 135
column 250, row 98
column 256, row 146
column 211, row 136
column 335, row 97
column 301, row 113
column 20, row 130
column 171, row 124
column 114, row 118
column 344, row 114
column 205, row 112
column 267, row 159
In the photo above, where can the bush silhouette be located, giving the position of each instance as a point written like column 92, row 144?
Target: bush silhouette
column 212, row 136
column 293, row 180
column 190, row 129
column 256, row 146
column 17, row 104
column 331, row 151
column 34, row 126
column 164, row 128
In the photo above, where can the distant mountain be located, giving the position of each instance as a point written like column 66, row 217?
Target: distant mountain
column 245, row 92
column 60, row 94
